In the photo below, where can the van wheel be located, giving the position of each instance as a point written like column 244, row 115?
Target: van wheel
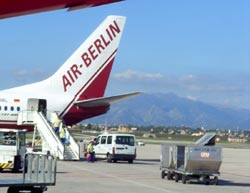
column 109, row 159
column 12, row 189
column 130, row 161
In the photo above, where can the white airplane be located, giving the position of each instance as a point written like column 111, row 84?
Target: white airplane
column 77, row 88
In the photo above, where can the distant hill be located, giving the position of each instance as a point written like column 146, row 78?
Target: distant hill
column 171, row 110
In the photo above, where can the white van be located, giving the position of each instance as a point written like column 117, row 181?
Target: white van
column 115, row 147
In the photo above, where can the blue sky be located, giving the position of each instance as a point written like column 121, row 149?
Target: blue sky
column 195, row 49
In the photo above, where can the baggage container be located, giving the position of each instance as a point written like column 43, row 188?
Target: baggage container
column 38, row 173
column 192, row 162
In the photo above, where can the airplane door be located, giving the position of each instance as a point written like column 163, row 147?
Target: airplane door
column 33, row 104
column 42, row 106
column 39, row 105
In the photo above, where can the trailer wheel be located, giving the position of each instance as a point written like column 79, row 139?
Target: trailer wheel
column 176, row 177
column 184, row 179
column 216, row 181
column 207, row 180
column 169, row 175
column 163, row 174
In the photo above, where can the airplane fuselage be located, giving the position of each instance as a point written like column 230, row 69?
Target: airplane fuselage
column 12, row 105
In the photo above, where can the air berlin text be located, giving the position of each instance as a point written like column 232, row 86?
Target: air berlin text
column 93, row 52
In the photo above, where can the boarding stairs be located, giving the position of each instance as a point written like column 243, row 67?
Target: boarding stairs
column 50, row 141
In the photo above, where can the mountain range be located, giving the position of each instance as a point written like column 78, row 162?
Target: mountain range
column 171, row 110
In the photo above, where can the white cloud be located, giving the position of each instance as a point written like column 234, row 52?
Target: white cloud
column 32, row 75
column 193, row 98
column 187, row 78
column 130, row 74
column 21, row 73
column 227, row 89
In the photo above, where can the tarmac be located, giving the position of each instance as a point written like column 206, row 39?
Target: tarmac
column 144, row 175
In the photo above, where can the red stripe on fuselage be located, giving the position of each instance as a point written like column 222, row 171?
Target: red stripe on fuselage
column 8, row 124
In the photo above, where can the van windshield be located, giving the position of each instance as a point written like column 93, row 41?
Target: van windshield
column 125, row 140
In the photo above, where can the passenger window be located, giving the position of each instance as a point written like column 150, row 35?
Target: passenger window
column 12, row 108
column 18, row 108
column 125, row 140
column 103, row 139
column 109, row 140
column 0, row 108
column 5, row 108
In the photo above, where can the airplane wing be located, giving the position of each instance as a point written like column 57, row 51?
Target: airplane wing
column 104, row 101
column 13, row 8
column 92, row 3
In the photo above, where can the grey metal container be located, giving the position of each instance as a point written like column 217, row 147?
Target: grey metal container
column 167, row 160
column 202, row 159
column 192, row 162
column 191, row 158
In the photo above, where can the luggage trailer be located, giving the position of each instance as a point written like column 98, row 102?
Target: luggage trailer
column 39, row 172
column 189, row 163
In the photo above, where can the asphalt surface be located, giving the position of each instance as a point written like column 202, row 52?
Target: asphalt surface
column 144, row 175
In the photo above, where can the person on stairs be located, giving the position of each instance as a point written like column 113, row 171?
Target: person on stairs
column 62, row 134
column 57, row 124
